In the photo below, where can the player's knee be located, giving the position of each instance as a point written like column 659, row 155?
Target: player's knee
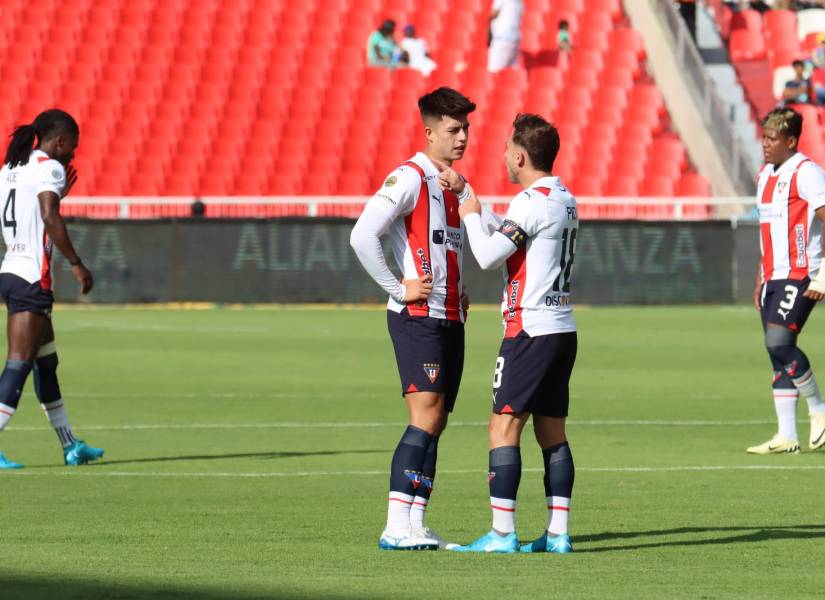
column 781, row 345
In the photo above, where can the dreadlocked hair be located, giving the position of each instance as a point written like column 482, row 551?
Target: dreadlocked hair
column 47, row 123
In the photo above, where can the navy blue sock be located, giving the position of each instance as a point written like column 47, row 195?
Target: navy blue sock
column 428, row 469
column 408, row 461
column 505, row 472
column 504, row 478
column 559, row 472
column 12, row 381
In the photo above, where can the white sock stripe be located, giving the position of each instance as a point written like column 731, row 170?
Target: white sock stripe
column 804, row 378
column 47, row 349
column 420, row 501
column 502, row 504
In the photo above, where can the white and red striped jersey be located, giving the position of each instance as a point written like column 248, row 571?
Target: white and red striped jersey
column 28, row 247
column 790, row 235
column 426, row 234
column 537, row 276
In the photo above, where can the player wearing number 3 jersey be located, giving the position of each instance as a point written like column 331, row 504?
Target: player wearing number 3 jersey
column 535, row 244
column 33, row 179
column 791, row 201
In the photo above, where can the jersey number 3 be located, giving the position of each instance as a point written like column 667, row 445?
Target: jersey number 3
column 8, row 212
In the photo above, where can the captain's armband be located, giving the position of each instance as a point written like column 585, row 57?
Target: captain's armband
column 513, row 232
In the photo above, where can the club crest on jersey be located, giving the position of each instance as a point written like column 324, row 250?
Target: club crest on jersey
column 432, row 370
column 391, row 181
column 781, row 186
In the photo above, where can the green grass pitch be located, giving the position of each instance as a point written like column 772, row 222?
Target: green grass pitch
column 247, row 455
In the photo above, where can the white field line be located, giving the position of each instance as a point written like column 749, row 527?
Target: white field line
column 367, row 424
column 275, row 474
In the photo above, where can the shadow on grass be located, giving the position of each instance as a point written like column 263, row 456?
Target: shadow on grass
column 32, row 587
column 737, row 535
column 265, row 455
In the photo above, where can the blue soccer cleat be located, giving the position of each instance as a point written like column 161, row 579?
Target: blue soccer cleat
column 491, row 542
column 5, row 463
column 558, row 544
column 80, row 454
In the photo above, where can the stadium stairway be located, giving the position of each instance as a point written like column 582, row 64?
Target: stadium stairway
column 681, row 98
column 717, row 63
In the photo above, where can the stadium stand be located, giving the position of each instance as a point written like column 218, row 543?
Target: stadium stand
column 761, row 48
column 255, row 97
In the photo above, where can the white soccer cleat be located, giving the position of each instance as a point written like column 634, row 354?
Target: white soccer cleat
column 405, row 541
column 817, row 439
column 776, row 445
column 425, row 533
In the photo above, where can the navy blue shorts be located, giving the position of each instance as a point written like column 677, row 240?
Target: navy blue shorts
column 22, row 296
column 429, row 353
column 533, row 374
column 783, row 303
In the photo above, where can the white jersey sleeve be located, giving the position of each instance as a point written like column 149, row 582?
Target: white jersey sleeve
column 523, row 215
column 51, row 177
column 398, row 193
column 490, row 250
column 811, row 184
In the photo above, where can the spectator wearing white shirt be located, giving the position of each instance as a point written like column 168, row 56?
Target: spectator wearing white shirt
column 417, row 52
column 505, row 34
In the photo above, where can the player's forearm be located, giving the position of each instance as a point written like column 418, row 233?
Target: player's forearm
column 490, row 221
column 56, row 229
column 490, row 251
column 367, row 247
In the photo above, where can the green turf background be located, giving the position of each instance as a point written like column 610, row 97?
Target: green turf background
column 245, row 480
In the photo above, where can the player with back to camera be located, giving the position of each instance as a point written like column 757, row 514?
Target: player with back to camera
column 417, row 206
column 33, row 179
column 536, row 245
column 789, row 281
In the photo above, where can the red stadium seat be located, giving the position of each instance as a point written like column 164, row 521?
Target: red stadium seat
column 692, row 184
column 746, row 44
column 621, row 185
column 656, row 186
column 747, row 19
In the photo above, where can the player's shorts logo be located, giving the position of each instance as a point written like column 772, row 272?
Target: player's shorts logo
column 432, row 370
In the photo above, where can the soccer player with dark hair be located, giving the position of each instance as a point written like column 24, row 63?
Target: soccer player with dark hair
column 789, row 281
column 535, row 244
column 36, row 174
column 418, row 207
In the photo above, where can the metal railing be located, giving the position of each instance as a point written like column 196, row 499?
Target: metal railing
column 713, row 110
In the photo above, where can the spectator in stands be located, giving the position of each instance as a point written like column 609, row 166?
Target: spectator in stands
column 382, row 51
column 563, row 42
column 818, row 55
column 198, row 208
column 800, row 89
column 417, row 52
column 505, row 34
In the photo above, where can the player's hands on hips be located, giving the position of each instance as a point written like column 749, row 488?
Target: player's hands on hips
column 71, row 178
column 813, row 295
column 448, row 178
column 417, row 289
column 84, row 277
column 470, row 205
column 465, row 300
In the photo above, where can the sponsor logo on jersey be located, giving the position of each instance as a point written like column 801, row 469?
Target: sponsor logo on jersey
column 801, row 256
column 391, row 181
column 438, row 236
column 511, row 304
column 557, row 300
column 425, row 264
column 454, row 239
column 436, row 198
column 57, row 174
column 431, row 370
column 387, row 198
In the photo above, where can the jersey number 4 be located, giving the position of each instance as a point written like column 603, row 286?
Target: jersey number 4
column 568, row 253
column 8, row 212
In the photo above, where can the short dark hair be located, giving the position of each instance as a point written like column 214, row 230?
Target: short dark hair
column 797, row 63
column 445, row 102
column 539, row 138
column 785, row 120
column 563, row 24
